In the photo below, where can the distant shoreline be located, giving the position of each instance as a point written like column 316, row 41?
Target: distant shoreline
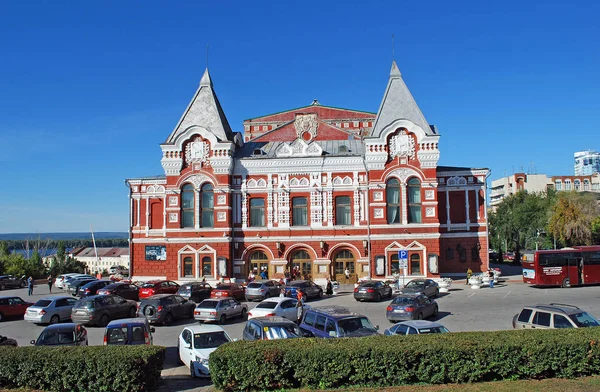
column 63, row 236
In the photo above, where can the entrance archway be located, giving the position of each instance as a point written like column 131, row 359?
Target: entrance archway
column 345, row 260
column 257, row 262
column 302, row 263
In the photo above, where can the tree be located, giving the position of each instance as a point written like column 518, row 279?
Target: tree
column 571, row 218
column 61, row 252
column 596, row 230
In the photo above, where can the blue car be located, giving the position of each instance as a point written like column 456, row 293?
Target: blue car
column 307, row 287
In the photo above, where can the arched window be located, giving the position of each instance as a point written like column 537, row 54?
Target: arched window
column 577, row 184
column 586, row 185
column 415, row 264
column 567, row 185
column 187, row 206
column 303, row 264
column 207, row 207
column 394, row 264
column 188, row 267
column 558, row 185
column 344, row 259
column 414, row 200
column 206, row 266
column 259, row 261
column 392, row 198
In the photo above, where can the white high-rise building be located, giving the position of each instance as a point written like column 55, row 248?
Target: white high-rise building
column 587, row 163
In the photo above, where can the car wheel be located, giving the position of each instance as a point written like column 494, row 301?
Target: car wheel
column 222, row 319
column 1, row 316
column 378, row 298
column 192, row 373
column 435, row 311
column 179, row 361
column 168, row 319
column 54, row 319
column 103, row 322
column 132, row 312
column 149, row 311
column 2, row 287
column 419, row 316
column 566, row 283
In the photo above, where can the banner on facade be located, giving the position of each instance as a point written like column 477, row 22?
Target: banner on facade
column 154, row 252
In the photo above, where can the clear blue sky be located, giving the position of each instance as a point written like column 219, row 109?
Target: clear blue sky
column 88, row 90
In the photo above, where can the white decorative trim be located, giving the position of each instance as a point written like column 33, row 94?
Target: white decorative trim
column 378, row 196
column 299, row 148
column 197, row 150
column 221, row 216
column 456, row 181
column 404, row 174
column 173, row 217
column 429, row 194
column 430, row 212
column 173, row 201
column 221, row 199
column 306, row 123
column 402, row 145
column 378, row 213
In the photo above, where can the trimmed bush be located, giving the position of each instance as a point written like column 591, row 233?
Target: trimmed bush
column 380, row 361
column 99, row 368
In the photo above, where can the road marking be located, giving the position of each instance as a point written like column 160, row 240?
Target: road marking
column 506, row 295
column 471, row 295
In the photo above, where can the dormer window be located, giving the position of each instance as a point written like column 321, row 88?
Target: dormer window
column 258, row 152
column 343, row 148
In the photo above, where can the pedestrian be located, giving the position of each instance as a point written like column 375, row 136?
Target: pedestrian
column 251, row 276
column 263, row 274
column 329, row 287
column 347, row 273
column 50, row 281
column 491, row 275
column 299, row 307
column 469, row 274
column 30, row 285
column 282, row 292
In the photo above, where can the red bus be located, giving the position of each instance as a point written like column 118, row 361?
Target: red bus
column 562, row 267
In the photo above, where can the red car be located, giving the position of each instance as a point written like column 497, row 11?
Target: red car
column 232, row 290
column 12, row 307
column 154, row 287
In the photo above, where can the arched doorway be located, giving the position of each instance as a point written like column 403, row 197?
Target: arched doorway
column 302, row 263
column 344, row 260
column 257, row 262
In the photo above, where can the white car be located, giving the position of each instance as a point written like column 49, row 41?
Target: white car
column 277, row 306
column 196, row 342
column 60, row 280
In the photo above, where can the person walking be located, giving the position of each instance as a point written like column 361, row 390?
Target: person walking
column 299, row 306
column 30, row 285
column 469, row 274
column 50, row 281
column 347, row 274
column 329, row 287
column 491, row 275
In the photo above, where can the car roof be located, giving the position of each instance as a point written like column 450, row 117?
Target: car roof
column 204, row 328
column 420, row 324
column 10, row 296
column 55, row 297
column 272, row 320
column 61, row 327
column 132, row 320
column 334, row 311
column 156, row 281
column 556, row 307
column 115, row 284
column 158, row 296
column 298, row 282
column 276, row 299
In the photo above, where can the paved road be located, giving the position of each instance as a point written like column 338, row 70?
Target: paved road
column 463, row 309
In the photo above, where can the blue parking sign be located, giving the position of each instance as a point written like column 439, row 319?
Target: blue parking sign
column 403, row 254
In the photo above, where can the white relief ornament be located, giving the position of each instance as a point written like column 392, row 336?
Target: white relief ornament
column 197, row 151
column 172, row 217
column 402, row 145
column 429, row 194
column 306, row 126
column 173, row 200
column 221, row 199
column 377, row 196
column 221, row 216
column 378, row 212
column 430, row 212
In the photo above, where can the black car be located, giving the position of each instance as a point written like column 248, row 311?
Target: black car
column 125, row 290
column 308, row 288
column 196, row 291
column 91, row 288
column 427, row 287
column 69, row 334
column 372, row 291
column 10, row 282
column 164, row 308
column 269, row 328
column 100, row 309
column 77, row 283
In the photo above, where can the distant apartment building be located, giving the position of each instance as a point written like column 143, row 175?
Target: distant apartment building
column 587, row 162
column 101, row 259
column 534, row 183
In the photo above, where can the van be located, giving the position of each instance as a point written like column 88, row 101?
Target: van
column 552, row 316
column 336, row 322
column 130, row 331
column 118, row 269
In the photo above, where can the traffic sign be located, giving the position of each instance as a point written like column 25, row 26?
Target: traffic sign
column 403, row 259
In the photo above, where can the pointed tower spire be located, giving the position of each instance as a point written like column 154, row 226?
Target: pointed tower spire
column 206, row 81
column 398, row 103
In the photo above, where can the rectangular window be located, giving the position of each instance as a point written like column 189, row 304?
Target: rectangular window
column 299, row 211
column 342, row 210
column 257, row 212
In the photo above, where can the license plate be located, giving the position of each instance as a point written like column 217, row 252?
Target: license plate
column 362, row 291
column 398, row 310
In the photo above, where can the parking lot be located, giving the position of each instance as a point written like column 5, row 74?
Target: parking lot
column 462, row 309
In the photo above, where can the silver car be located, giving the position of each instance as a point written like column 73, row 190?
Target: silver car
column 262, row 289
column 220, row 310
column 50, row 310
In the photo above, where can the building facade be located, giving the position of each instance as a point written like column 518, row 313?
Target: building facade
column 317, row 189
column 101, row 259
column 587, row 163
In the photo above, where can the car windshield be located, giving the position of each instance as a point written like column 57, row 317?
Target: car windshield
column 210, row 339
column 42, row 303
column 351, row 325
column 266, row 305
column 254, row 285
column 403, row 300
column 185, row 289
column 368, row 284
column 224, row 287
column 584, row 319
column 439, row 329
column 49, row 338
column 208, row 304
column 414, row 283
column 148, row 285
column 281, row 332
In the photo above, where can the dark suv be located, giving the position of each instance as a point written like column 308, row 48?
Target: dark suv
column 10, row 282
column 308, row 288
column 100, row 309
column 553, row 315
column 164, row 308
column 269, row 328
column 336, row 322
column 196, row 292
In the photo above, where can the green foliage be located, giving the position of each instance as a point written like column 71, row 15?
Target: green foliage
column 99, row 368
column 596, row 230
column 382, row 361
column 572, row 216
column 17, row 265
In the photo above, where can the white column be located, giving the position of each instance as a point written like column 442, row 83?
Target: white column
column 448, row 222
column 165, row 212
column 196, row 209
column 147, row 215
column 467, row 207
column 404, row 206
column 477, row 203
column 137, row 202
column 131, row 207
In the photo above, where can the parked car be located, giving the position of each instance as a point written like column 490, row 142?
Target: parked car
column 195, row 291
column 553, row 315
column 74, row 285
column 421, row 286
column 510, row 256
column 71, row 279
column 220, row 310
column 50, row 310
column 262, row 289
column 230, row 290
column 164, row 308
column 196, row 342
column 60, row 279
column 69, row 334
column 91, row 288
column 154, row 287
column 129, row 332
column 415, row 327
column 372, row 291
column 277, row 306
column 11, row 306
column 10, row 282
column 270, row 328
column 309, row 289
column 125, row 290
column 336, row 322
column 4, row 341
column 411, row 307
column 118, row 269
column 100, row 309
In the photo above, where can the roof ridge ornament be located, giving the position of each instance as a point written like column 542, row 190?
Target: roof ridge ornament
column 206, row 81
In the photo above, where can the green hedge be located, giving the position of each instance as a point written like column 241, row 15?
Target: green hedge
column 381, row 361
column 99, row 368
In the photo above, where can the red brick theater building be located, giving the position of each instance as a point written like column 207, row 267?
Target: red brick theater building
column 317, row 188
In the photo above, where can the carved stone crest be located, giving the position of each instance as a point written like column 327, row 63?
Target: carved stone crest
column 197, row 151
column 402, row 145
column 306, row 126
